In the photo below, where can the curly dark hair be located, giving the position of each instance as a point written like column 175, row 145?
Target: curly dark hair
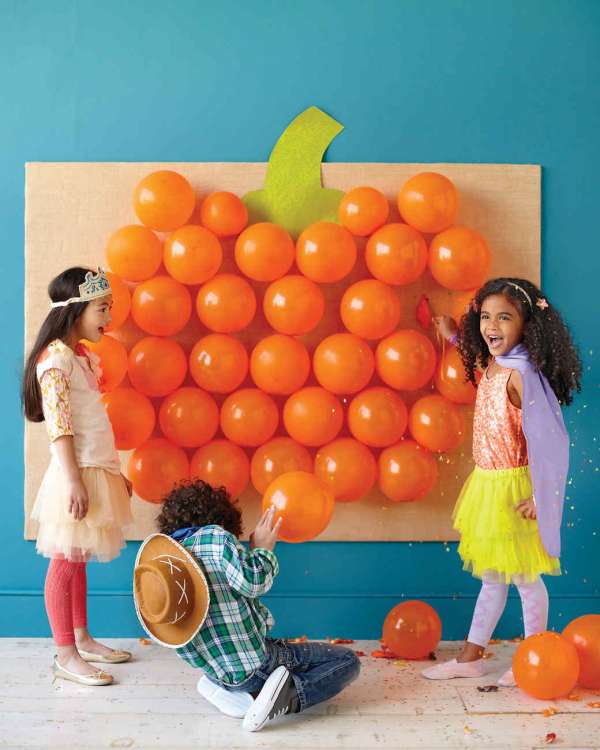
column 196, row 503
column 545, row 336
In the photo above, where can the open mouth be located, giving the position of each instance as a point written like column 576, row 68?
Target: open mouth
column 494, row 342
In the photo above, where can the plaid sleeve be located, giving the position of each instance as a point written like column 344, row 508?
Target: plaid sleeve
column 55, row 386
column 250, row 573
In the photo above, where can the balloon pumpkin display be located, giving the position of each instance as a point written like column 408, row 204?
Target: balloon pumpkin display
column 267, row 340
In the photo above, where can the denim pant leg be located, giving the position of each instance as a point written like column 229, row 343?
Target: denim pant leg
column 319, row 670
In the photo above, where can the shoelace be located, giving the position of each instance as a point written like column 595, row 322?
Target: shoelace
column 280, row 712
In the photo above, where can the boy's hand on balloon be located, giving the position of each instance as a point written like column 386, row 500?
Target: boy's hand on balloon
column 265, row 533
column 527, row 509
column 446, row 326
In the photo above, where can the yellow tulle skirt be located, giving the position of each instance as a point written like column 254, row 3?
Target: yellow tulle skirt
column 494, row 537
column 99, row 535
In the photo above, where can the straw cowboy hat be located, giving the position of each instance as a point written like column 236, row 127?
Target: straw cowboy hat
column 169, row 590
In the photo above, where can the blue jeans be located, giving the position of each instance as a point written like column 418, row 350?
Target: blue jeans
column 319, row 670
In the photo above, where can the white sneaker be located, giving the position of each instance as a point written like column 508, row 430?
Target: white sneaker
column 277, row 697
column 451, row 669
column 507, row 679
column 230, row 703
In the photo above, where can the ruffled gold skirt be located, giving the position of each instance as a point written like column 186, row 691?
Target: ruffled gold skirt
column 97, row 536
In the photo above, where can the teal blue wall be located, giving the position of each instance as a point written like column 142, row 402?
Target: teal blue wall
column 413, row 81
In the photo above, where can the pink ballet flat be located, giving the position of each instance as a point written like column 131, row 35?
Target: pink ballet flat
column 452, row 669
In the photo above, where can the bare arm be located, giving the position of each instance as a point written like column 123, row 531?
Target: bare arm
column 78, row 496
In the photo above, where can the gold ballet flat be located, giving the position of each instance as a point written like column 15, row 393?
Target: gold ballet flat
column 116, row 656
column 95, row 679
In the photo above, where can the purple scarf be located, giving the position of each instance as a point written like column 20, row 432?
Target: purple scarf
column 547, row 445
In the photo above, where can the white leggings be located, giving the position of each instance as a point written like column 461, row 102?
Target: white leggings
column 492, row 600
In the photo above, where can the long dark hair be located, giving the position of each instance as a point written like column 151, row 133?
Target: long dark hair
column 57, row 325
column 545, row 336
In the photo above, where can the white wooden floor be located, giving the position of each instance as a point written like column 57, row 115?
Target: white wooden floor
column 154, row 705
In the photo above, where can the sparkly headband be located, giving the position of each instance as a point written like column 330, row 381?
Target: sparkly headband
column 95, row 285
column 541, row 302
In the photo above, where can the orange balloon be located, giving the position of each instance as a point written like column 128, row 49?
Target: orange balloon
column 222, row 464
column 407, row 472
column 461, row 302
column 412, row 630
column 436, row 423
column 275, row 458
column 347, row 467
column 293, row 305
column 459, row 258
column 226, row 303
column 132, row 417
column 377, row 417
column 313, row 416
column 546, row 666
column 134, row 253
column 363, row 210
column 156, row 467
column 161, row 306
column 428, row 201
column 279, row 364
column 164, row 200
column 249, row 417
column 113, row 361
column 303, row 502
column 189, row 417
column 343, row 363
column 219, row 363
column 192, row 254
column 264, row 251
column 156, row 366
column 451, row 378
column 325, row 252
column 121, row 302
column 405, row 360
column 584, row 634
column 370, row 309
column 396, row 254
column 224, row 214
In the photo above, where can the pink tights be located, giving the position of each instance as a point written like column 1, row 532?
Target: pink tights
column 65, row 594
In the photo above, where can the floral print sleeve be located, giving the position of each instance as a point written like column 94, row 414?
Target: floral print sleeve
column 56, row 389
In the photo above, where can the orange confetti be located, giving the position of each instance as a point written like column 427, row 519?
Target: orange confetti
column 400, row 663
column 550, row 738
column 467, row 729
column 340, row 640
column 360, row 653
column 594, row 704
column 144, row 641
column 383, row 655
column 495, row 641
column 573, row 697
column 549, row 712
column 488, row 655
column 300, row 639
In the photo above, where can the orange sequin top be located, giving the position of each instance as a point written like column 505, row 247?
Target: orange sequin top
column 498, row 439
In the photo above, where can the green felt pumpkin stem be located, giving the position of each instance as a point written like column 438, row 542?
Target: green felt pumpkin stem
column 293, row 195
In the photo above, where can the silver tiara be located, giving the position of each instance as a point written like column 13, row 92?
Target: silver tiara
column 95, row 285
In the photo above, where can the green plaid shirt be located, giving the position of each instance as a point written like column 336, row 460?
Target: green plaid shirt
column 230, row 645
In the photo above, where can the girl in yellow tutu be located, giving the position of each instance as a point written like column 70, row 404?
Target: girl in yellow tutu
column 83, row 501
column 510, row 509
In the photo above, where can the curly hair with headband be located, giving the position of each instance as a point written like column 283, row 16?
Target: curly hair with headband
column 545, row 336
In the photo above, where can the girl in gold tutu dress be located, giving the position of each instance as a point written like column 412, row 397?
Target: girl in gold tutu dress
column 83, row 501
column 510, row 508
